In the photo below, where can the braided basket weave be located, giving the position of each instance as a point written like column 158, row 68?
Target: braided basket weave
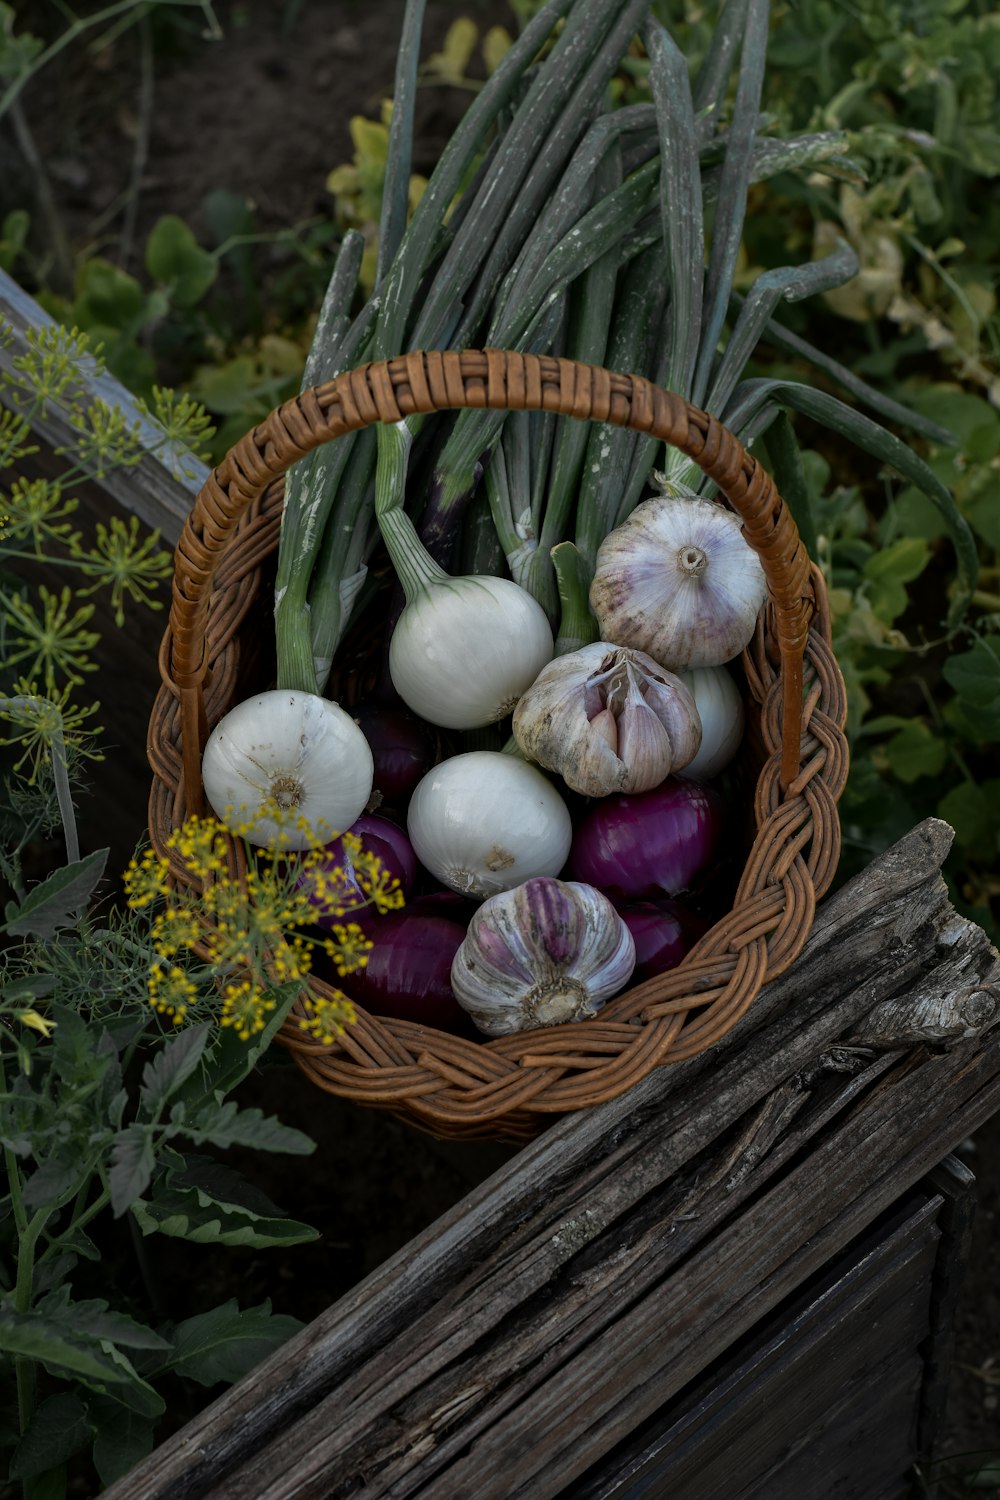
column 506, row 1088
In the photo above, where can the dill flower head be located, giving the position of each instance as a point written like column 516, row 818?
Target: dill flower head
column 243, row 942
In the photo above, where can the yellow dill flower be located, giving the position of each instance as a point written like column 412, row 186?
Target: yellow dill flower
column 146, row 880
column 245, row 1007
column 229, row 945
column 176, row 928
column 327, row 1019
column 202, row 847
column 227, row 901
column 171, row 992
column 291, row 959
column 317, row 891
column 349, row 948
column 382, row 889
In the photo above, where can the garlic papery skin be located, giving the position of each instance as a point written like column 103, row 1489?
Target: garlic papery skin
column 464, row 649
column 485, row 821
column 608, row 719
column 679, row 581
column 720, row 709
column 546, row 952
column 288, row 769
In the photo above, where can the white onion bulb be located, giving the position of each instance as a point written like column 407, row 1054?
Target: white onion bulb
column 486, row 821
column 679, row 581
column 465, row 649
column 292, row 765
column 720, row 708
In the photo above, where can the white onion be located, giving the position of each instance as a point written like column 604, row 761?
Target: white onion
column 720, row 708
column 486, row 821
column 293, row 765
column 465, row 649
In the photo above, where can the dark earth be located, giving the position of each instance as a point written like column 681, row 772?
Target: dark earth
column 264, row 112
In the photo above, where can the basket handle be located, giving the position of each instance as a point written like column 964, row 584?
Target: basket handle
column 391, row 390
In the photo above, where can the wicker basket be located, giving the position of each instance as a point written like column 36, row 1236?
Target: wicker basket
column 508, row 1087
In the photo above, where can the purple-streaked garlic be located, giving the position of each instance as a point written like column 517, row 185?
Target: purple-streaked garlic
column 679, row 580
column 545, row 952
column 608, row 719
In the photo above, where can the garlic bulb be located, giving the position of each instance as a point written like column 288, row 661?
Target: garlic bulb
column 608, row 720
column 464, row 649
column 679, row 581
column 485, row 821
column 292, row 766
column 720, row 709
column 547, row 952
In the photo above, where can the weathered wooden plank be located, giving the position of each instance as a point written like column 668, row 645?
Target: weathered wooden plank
column 783, row 1381
column 589, row 1347
column 957, row 1186
column 555, row 1198
column 773, row 1424
column 721, row 1292
column 863, row 1454
column 159, row 489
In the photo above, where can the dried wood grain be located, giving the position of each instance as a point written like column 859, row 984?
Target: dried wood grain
column 791, row 1375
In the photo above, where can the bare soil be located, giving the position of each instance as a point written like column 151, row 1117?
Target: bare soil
column 265, row 113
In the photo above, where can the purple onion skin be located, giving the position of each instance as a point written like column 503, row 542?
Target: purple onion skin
column 649, row 845
column 659, row 937
column 402, row 746
column 391, row 846
column 444, row 903
column 408, row 974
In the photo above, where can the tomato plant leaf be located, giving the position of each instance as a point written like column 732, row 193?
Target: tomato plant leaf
column 916, row 752
column 59, row 1427
column 58, row 899
column 172, row 1065
column 132, row 1162
column 226, row 1343
column 123, row 1437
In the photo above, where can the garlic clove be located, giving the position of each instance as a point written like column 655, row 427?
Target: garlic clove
column 604, row 726
column 546, row 952
column 643, row 744
column 679, row 581
column 607, row 719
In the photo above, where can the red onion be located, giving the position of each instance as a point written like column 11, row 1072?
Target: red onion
column 659, row 937
column 381, row 837
column 408, row 973
column 403, row 749
column 444, row 903
column 648, row 845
